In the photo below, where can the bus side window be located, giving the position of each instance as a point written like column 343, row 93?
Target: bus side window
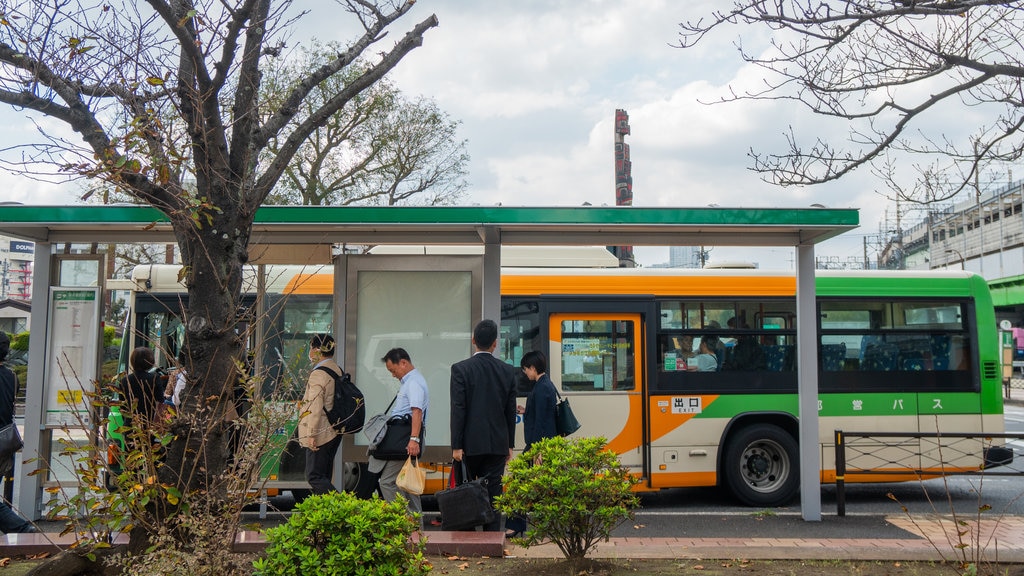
column 598, row 355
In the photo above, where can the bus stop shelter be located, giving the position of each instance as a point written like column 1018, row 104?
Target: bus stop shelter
column 307, row 234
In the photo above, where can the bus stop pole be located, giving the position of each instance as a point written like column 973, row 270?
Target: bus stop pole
column 807, row 357
column 492, row 275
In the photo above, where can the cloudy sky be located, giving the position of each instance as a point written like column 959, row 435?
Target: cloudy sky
column 536, row 84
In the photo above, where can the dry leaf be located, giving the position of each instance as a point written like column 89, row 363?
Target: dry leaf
column 4, row 562
column 698, row 567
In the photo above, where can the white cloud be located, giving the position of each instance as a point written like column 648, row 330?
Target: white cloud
column 536, row 84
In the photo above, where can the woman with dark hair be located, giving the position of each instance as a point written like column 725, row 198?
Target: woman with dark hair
column 538, row 416
column 539, row 413
column 141, row 390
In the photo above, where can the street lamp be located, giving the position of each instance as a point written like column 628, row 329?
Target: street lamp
column 958, row 254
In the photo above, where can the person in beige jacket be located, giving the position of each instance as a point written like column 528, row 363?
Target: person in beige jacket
column 315, row 433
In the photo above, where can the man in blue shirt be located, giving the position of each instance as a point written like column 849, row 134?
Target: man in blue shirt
column 412, row 400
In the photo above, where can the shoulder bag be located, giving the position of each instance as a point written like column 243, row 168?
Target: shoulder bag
column 395, row 442
column 465, row 506
column 377, row 426
column 565, row 421
column 10, row 443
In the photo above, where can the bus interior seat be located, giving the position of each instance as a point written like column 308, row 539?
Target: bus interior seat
column 881, row 357
column 832, row 357
column 913, row 364
column 940, row 351
column 868, row 341
column 727, row 357
column 779, row 357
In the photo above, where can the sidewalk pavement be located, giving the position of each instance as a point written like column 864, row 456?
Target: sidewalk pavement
column 929, row 538
column 932, row 537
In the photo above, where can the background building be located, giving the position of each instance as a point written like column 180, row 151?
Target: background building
column 15, row 269
column 983, row 234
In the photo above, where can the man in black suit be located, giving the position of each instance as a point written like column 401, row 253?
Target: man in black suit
column 483, row 412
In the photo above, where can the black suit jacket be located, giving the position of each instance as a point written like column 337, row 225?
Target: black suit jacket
column 483, row 405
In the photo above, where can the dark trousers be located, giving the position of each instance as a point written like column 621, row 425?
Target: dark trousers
column 491, row 467
column 12, row 522
column 320, row 466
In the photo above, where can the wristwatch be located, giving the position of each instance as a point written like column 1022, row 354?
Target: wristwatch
column 414, row 439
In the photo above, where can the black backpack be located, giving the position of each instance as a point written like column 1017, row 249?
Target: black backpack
column 348, row 413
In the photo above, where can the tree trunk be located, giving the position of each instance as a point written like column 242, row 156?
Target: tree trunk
column 196, row 460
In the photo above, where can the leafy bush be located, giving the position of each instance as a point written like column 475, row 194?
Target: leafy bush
column 338, row 533
column 572, row 492
column 20, row 341
column 108, row 336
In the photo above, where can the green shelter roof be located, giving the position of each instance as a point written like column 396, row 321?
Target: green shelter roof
column 585, row 225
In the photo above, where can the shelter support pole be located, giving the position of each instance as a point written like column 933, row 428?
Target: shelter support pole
column 29, row 498
column 492, row 275
column 342, row 343
column 807, row 356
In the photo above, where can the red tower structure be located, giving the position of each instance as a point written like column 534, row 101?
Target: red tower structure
column 623, row 181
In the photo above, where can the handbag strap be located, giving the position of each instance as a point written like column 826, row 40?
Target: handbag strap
column 388, row 409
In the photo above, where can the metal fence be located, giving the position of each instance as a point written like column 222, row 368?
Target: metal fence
column 936, row 454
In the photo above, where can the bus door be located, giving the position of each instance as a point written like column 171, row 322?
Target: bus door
column 597, row 362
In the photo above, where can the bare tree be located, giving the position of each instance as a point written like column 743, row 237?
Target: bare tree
column 383, row 148
column 891, row 69
column 112, row 72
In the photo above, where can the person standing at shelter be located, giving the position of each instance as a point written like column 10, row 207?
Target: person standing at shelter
column 538, row 416
column 483, row 412
column 315, row 432
column 10, row 521
column 141, row 390
column 412, row 401
column 8, row 389
column 541, row 403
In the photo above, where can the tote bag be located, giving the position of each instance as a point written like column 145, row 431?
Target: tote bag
column 412, row 478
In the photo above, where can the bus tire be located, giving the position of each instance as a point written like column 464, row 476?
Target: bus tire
column 761, row 465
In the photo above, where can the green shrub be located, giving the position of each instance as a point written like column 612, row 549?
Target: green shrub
column 572, row 492
column 338, row 534
column 108, row 336
column 20, row 341
column 21, row 374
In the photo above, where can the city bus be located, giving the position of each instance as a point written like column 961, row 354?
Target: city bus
column 899, row 352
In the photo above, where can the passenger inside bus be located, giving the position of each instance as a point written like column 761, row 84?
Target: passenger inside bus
column 684, row 346
column 705, row 361
column 746, row 354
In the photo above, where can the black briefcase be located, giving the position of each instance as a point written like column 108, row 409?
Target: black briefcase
column 465, row 506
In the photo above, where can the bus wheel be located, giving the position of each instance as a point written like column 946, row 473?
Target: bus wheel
column 761, row 464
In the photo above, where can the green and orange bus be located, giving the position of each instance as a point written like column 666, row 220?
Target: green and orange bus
column 897, row 352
